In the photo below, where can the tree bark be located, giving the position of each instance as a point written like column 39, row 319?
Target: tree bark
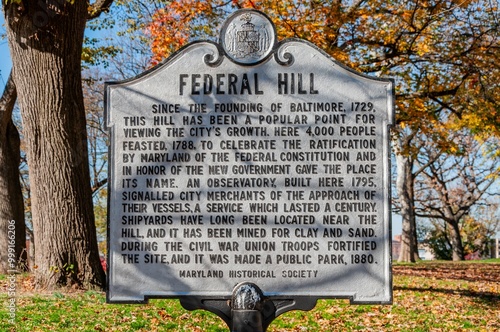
column 45, row 38
column 12, row 226
column 457, row 248
column 405, row 186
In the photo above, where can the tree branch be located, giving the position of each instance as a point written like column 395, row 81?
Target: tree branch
column 98, row 185
column 98, row 7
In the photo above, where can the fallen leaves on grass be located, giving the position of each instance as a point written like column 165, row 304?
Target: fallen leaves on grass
column 430, row 296
column 469, row 271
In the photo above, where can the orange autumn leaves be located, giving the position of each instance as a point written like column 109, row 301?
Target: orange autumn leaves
column 171, row 27
column 184, row 20
column 442, row 54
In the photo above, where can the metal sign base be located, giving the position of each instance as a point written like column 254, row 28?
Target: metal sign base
column 248, row 310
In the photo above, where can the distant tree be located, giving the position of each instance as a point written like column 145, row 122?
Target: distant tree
column 488, row 217
column 408, row 171
column 438, row 240
column 12, row 226
column 93, row 91
column 453, row 184
column 476, row 233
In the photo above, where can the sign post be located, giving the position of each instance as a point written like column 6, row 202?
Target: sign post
column 253, row 171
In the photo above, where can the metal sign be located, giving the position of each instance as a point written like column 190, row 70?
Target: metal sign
column 253, row 161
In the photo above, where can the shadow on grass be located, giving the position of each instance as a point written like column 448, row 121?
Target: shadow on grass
column 489, row 299
column 474, row 272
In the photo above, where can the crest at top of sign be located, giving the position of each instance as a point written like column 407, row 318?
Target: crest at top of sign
column 248, row 37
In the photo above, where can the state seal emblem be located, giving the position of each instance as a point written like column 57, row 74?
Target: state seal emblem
column 248, row 37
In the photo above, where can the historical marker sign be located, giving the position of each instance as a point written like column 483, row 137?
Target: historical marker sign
column 249, row 160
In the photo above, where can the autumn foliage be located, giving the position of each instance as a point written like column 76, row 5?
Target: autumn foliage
column 443, row 54
column 172, row 27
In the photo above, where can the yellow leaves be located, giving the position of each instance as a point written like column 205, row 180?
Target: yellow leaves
column 244, row 4
column 341, row 56
column 422, row 44
column 476, row 122
column 407, row 15
column 422, row 49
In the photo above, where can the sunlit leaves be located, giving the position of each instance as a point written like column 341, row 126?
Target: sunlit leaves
column 173, row 26
column 95, row 54
column 428, row 296
column 443, row 54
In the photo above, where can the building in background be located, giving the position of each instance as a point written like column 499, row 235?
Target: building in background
column 396, row 247
column 424, row 252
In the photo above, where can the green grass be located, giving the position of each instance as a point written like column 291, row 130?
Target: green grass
column 439, row 302
column 484, row 261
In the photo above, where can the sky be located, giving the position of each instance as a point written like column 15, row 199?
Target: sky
column 5, row 63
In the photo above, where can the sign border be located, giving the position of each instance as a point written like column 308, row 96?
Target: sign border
column 283, row 58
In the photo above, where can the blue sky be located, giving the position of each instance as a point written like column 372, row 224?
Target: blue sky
column 5, row 63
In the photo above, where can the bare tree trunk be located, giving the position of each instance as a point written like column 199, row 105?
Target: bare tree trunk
column 404, row 187
column 12, row 226
column 457, row 247
column 45, row 39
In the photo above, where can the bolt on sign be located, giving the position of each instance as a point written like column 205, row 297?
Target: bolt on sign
column 249, row 160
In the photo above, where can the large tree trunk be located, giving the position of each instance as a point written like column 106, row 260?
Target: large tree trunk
column 404, row 186
column 457, row 247
column 12, row 226
column 45, row 39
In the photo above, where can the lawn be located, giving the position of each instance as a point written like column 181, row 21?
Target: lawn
column 428, row 296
